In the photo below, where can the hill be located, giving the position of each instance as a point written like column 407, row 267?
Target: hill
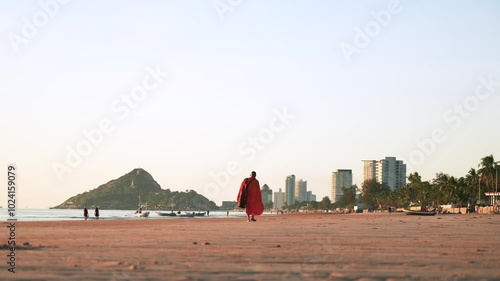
column 124, row 193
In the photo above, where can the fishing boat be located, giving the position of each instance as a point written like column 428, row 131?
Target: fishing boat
column 162, row 214
column 143, row 214
column 187, row 215
column 141, row 211
column 419, row 213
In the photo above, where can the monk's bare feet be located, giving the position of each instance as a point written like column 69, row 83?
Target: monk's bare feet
column 254, row 219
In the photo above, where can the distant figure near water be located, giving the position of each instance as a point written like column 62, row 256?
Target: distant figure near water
column 254, row 205
column 85, row 213
column 96, row 213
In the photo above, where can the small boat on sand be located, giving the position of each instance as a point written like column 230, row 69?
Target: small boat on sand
column 420, row 213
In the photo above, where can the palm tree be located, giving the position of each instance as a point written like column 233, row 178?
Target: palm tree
column 487, row 172
column 472, row 182
column 443, row 188
column 462, row 192
column 472, row 178
column 414, row 185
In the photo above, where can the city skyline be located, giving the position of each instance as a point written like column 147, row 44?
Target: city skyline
column 199, row 97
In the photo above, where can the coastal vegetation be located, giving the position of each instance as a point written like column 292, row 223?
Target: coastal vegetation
column 443, row 189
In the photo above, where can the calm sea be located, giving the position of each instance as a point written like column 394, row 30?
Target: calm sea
column 58, row 214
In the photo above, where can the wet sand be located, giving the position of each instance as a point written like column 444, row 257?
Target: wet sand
column 375, row 246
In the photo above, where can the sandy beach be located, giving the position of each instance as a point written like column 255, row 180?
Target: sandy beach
column 376, row 246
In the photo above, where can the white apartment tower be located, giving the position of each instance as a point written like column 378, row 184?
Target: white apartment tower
column 340, row 179
column 370, row 170
column 279, row 200
column 388, row 171
column 301, row 191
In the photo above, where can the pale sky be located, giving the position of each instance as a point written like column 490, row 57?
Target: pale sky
column 280, row 87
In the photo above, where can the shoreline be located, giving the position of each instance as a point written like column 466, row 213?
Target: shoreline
column 129, row 215
column 300, row 246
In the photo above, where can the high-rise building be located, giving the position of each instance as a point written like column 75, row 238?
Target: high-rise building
column 310, row 196
column 279, row 200
column 301, row 191
column 290, row 190
column 388, row 171
column 267, row 194
column 370, row 169
column 340, row 179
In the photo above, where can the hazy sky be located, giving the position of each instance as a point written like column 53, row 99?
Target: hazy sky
column 279, row 87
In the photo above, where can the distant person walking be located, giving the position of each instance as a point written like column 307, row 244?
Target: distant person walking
column 85, row 213
column 96, row 213
column 254, row 205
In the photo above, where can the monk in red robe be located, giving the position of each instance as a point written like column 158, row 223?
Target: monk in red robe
column 254, row 206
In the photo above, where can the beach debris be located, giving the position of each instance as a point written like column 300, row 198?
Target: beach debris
column 25, row 246
column 195, row 243
column 278, row 246
column 207, row 244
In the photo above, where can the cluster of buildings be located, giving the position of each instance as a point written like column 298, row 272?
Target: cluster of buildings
column 295, row 192
column 389, row 171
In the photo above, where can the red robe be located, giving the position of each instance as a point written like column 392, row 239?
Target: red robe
column 254, row 206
